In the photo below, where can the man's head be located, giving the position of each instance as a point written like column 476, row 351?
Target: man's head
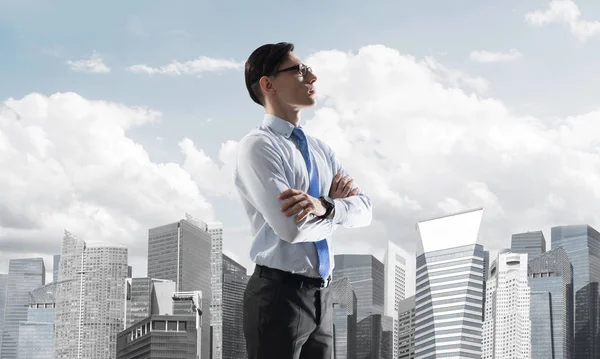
column 276, row 77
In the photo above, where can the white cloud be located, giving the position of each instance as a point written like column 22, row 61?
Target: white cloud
column 67, row 162
column 487, row 56
column 423, row 146
column 566, row 12
column 92, row 64
column 193, row 67
column 215, row 179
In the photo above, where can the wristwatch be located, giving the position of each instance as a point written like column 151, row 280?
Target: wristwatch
column 329, row 205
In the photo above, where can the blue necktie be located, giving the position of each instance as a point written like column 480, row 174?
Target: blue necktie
column 313, row 190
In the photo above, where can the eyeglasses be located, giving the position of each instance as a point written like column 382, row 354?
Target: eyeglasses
column 301, row 68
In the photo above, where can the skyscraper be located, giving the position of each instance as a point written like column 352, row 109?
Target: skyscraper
column 181, row 252
column 406, row 336
column 235, row 280
column 215, row 230
column 3, row 282
column 344, row 319
column 55, row 267
column 399, row 283
column 507, row 328
column 551, row 283
column 147, row 296
column 366, row 274
column 36, row 335
column 24, row 275
column 449, row 292
column 582, row 245
column 89, row 299
column 532, row 243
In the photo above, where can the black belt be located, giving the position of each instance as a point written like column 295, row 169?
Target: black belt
column 292, row 278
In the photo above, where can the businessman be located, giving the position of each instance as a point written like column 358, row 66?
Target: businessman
column 295, row 193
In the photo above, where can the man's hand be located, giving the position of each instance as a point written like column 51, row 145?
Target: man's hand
column 341, row 187
column 297, row 201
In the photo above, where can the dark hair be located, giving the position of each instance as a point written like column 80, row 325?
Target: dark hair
column 264, row 61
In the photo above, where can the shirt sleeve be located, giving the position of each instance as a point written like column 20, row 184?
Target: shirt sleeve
column 351, row 212
column 260, row 177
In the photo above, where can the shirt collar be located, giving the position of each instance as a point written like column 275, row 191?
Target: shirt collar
column 278, row 125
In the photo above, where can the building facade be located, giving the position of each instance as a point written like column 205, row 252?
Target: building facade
column 551, row 283
column 399, row 266
column 182, row 252
column 582, row 245
column 507, row 327
column 147, row 296
column 24, row 276
column 406, row 335
column 344, row 319
column 36, row 335
column 532, row 243
column 235, row 280
column 89, row 299
column 449, row 287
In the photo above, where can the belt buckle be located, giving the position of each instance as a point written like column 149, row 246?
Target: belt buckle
column 325, row 283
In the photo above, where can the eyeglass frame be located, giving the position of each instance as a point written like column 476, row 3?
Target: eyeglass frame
column 301, row 68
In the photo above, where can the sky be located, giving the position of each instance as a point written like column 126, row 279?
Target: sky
column 116, row 117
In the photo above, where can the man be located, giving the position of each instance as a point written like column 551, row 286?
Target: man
column 295, row 194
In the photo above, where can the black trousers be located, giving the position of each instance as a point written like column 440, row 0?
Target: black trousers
column 285, row 318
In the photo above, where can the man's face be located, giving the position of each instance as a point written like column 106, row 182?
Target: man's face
column 295, row 87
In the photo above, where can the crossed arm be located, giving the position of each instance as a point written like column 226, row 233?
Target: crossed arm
column 293, row 214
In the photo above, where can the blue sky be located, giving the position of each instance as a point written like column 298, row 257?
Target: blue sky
column 553, row 77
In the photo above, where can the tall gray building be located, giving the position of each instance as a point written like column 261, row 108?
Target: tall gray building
column 36, row 335
column 582, row 244
column 532, row 243
column 89, row 299
column 147, row 296
column 55, row 267
column 366, row 274
column 3, row 282
column 235, row 280
column 406, row 335
column 24, row 275
column 215, row 230
column 551, row 314
column 449, row 293
column 181, row 252
column 344, row 319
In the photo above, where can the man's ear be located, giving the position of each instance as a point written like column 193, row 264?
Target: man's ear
column 266, row 85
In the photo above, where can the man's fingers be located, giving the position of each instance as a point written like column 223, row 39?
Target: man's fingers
column 297, row 208
column 288, row 193
column 336, row 182
column 291, row 202
column 354, row 192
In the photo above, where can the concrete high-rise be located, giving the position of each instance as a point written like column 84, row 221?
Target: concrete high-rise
column 551, row 283
column 90, row 310
column 344, row 319
column 55, row 267
column 24, row 275
column 182, row 252
column 147, row 296
column 215, row 230
column 406, row 335
column 3, row 282
column 366, row 274
column 36, row 335
column 507, row 327
column 582, row 245
column 449, row 291
column 235, row 280
column 532, row 243
column 399, row 283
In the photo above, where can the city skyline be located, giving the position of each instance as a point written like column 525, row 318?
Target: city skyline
column 133, row 119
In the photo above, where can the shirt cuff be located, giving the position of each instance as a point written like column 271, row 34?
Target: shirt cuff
column 341, row 211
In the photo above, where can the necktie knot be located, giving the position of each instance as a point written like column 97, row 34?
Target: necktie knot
column 299, row 134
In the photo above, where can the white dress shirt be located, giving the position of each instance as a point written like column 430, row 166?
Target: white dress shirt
column 268, row 163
